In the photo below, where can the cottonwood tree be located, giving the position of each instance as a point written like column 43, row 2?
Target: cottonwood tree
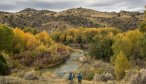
column 6, row 38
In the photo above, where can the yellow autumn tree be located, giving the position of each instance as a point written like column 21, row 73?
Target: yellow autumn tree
column 43, row 37
column 42, row 48
column 69, row 39
column 18, row 40
column 130, row 43
column 62, row 38
column 31, row 42
column 121, row 64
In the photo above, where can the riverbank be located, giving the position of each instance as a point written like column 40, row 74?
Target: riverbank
column 59, row 62
column 61, row 68
column 72, row 64
column 48, row 75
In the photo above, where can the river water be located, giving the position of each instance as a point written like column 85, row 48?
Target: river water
column 71, row 65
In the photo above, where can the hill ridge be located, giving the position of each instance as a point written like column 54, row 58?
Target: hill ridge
column 75, row 17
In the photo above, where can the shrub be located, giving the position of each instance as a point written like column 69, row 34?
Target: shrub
column 48, row 74
column 31, row 75
column 103, row 77
column 129, row 73
column 87, row 72
column 139, row 77
column 31, row 30
column 103, row 67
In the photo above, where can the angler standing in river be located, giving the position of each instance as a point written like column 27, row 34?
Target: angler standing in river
column 79, row 78
column 70, row 78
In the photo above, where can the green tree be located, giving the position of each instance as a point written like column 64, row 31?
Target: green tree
column 101, row 48
column 142, row 26
column 3, row 66
column 56, row 36
column 6, row 38
column 31, row 30
column 93, row 50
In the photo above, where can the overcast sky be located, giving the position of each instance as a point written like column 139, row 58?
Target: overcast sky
column 59, row 5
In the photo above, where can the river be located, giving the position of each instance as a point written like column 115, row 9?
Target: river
column 72, row 64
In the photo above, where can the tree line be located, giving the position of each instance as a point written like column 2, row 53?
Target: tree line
column 109, row 44
column 27, row 48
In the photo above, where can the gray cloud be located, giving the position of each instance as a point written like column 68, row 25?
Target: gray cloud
column 56, row 5
column 104, row 3
column 101, row 5
column 117, row 5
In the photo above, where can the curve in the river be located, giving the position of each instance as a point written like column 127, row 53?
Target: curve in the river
column 71, row 65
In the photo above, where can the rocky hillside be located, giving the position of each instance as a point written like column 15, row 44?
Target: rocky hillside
column 76, row 17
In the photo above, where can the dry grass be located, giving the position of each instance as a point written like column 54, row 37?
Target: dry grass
column 15, row 80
